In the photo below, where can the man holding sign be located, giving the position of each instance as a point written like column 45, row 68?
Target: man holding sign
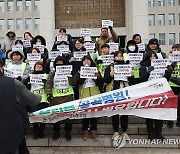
column 105, row 37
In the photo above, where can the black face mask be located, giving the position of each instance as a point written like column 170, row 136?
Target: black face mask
column 119, row 62
column 38, row 72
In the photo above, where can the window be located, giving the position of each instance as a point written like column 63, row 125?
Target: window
column 161, row 19
column 1, row 5
column 151, row 20
column 171, row 2
column 19, row 24
column 171, row 19
column 28, row 5
column 19, row 5
column 37, row 23
column 171, row 38
column 36, row 5
column 151, row 3
column 162, row 38
column 178, row 2
column 1, row 24
column 179, row 18
column 151, row 35
column 10, row 5
column 28, row 22
column 10, row 23
column 161, row 3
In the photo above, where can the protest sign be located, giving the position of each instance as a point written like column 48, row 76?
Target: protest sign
column 135, row 59
column 107, row 59
column 40, row 47
column 107, row 23
column 26, row 43
column 79, row 55
column 53, row 54
column 88, row 72
column 64, row 49
column 64, row 70
column 159, row 63
column 121, row 71
column 85, row 32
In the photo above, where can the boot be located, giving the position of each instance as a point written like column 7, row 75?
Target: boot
column 35, row 129
column 85, row 135
column 178, row 121
column 93, row 135
column 151, row 136
column 68, row 136
column 170, row 124
column 158, row 135
column 56, row 135
column 41, row 130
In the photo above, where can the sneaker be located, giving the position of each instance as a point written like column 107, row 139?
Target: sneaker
column 114, row 135
column 68, row 136
column 170, row 124
column 126, row 136
column 56, row 135
column 159, row 136
column 93, row 135
column 85, row 135
column 151, row 136
column 41, row 134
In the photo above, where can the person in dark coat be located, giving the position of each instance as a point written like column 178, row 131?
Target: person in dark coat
column 11, row 119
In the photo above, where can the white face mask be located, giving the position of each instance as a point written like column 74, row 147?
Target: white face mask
column 131, row 48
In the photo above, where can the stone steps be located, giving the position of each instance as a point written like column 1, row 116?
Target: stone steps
column 103, row 141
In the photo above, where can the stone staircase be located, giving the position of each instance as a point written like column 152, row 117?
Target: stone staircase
column 136, row 131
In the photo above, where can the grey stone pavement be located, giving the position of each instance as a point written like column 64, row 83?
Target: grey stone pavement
column 91, row 150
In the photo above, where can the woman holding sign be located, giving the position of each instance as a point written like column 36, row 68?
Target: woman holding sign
column 114, row 81
column 89, row 83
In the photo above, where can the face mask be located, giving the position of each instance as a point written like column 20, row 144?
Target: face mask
column 38, row 72
column 86, row 65
column 131, row 48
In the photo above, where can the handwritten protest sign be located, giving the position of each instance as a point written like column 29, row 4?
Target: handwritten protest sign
column 79, row 55
column 159, row 63
column 60, row 82
column 89, row 47
column 53, row 54
column 88, row 72
column 17, row 48
column 62, row 38
column 8, row 72
column 114, row 46
column 64, row 70
column 40, row 47
column 85, row 32
column 174, row 57
column 107, row 59
column 141, row 47
column 26, row 43
column 107, row 23
column 64, row 49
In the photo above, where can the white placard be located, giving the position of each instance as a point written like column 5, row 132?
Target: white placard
column 88, row 72
column 26, row 43
column 53, row 54
column 107, row 59
column 141, row 47
column 17, row 70
column 62, row 38
column 60, row 82
column 135, row 59
column 37, row 78
column 17, row 48
column 79, row 55
column 85, row 32
column 33, row 56
column 107, row 23
column 159, row 64
column 8, row 72
column 114, row 46
column 40, row 47
column 89, row 47
column 156, row 74
column 63, row 48
column 64, row 70
column 174, row 57
column 122, row 70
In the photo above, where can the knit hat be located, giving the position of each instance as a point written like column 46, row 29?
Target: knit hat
column 153, row 41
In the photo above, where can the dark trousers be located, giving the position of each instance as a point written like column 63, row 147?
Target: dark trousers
column 39, row 128
column 67, row 127
column 124, row 122
column 23, row 147
column 154, row 126
column 91, row 121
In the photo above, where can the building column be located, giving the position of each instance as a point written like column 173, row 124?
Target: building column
column 47, row 21
column 137, row 19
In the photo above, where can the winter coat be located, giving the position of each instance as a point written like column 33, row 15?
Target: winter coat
column 102, row 40
column 14, row 95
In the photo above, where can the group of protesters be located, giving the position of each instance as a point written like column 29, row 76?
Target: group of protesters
column 18, row 64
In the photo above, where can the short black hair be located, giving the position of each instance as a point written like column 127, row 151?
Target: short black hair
column 104, row 28
column 105, row 46
column 62, row 29
column 80, row 40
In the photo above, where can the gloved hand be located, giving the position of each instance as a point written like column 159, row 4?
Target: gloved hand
column 44, row 81
column 127, row 62
column 98, row 74
column 57, row 42
column 99, row 61
column 110, row 28
column 72, row 59
column 173, row 65
column 150, row 68
column 18, row 78
column 49, row 97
